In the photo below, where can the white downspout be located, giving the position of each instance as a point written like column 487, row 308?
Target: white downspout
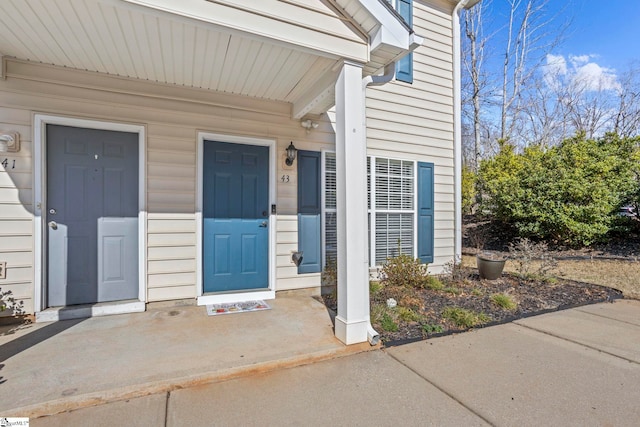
column 457, row 129
column 389, row 73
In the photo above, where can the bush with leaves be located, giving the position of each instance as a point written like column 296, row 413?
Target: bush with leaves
column 468, row 190
column 8, row 302
column 568, row 194
column 404, row 271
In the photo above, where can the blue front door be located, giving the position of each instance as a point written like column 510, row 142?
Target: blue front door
column 236, row 217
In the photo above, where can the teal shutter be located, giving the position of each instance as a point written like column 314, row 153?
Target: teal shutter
column 309, row 211
column 404, row 67
column 425, row 212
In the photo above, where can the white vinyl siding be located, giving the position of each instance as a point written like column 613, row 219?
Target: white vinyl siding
column 172, row 117
column 415, row 122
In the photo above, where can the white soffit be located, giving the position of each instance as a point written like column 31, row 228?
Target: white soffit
column 244, row 47
column 117, row 38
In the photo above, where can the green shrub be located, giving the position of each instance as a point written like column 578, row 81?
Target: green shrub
column 408, row 315
column 432, row 329
column 468, row 190
column 433, row 283
column 375, row 288
column 569, row 194
column 388, row 324
column 463, row 318
column 504, row 301
column 383, row 317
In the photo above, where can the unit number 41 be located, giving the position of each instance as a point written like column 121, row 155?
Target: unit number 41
column 5, row 163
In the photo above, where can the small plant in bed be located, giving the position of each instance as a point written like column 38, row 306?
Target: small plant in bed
column 430, row 305
column 426, row 305
column 504, row 301
column 463, row 318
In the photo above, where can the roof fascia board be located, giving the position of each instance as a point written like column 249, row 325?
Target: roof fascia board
column 470, row 4
column 238, row 21
column 393, row 31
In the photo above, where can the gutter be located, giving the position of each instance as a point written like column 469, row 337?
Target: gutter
column 389, row 73
column 457, row 129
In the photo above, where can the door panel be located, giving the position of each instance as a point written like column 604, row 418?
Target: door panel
column 235, row 217
column 92, row 202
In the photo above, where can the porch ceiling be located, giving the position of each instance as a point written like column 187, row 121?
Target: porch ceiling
column 120, row 38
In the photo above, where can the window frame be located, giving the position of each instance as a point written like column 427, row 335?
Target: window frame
column 371, row 209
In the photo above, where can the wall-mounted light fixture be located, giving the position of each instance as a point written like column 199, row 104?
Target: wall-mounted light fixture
column 308, row 125
column 9, row 142
column 291, row 154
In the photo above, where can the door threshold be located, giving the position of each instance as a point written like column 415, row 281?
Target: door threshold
column 229, row 297
column 53, row 314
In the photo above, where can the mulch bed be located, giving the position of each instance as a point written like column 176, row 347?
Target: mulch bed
column 533, row 297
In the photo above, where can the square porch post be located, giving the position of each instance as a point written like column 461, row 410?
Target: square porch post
column 352, row 319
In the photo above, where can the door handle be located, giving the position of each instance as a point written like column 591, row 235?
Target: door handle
column 53, row 225
column 264, row 224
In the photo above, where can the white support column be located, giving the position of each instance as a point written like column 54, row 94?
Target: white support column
column 351, row 176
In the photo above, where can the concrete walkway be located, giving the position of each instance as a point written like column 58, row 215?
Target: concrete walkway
column 577, row 367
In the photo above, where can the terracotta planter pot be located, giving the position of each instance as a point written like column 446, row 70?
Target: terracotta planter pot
column 490, row 265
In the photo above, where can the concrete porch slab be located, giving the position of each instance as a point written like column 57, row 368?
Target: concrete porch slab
column 47, row 368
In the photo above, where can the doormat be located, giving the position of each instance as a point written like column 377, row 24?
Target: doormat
column 237, row 307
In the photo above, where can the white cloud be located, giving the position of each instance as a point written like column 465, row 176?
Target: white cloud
column 592, row 76
column 557, row 64
column 554, row 70
column 579, row 60
column 582, row 72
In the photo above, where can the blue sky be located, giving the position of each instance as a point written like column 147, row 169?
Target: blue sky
column 603, row 37
column 608, row 29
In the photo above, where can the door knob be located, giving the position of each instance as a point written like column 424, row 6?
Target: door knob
column 264, row 224
column 53, row 225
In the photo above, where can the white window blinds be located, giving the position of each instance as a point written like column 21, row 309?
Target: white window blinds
column 391, row 200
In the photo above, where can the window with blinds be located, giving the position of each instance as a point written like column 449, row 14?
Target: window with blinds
column 330, row 226
column 391, row 200
column 393, row 186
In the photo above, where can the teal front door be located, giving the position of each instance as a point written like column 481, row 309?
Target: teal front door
column 235, row 217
